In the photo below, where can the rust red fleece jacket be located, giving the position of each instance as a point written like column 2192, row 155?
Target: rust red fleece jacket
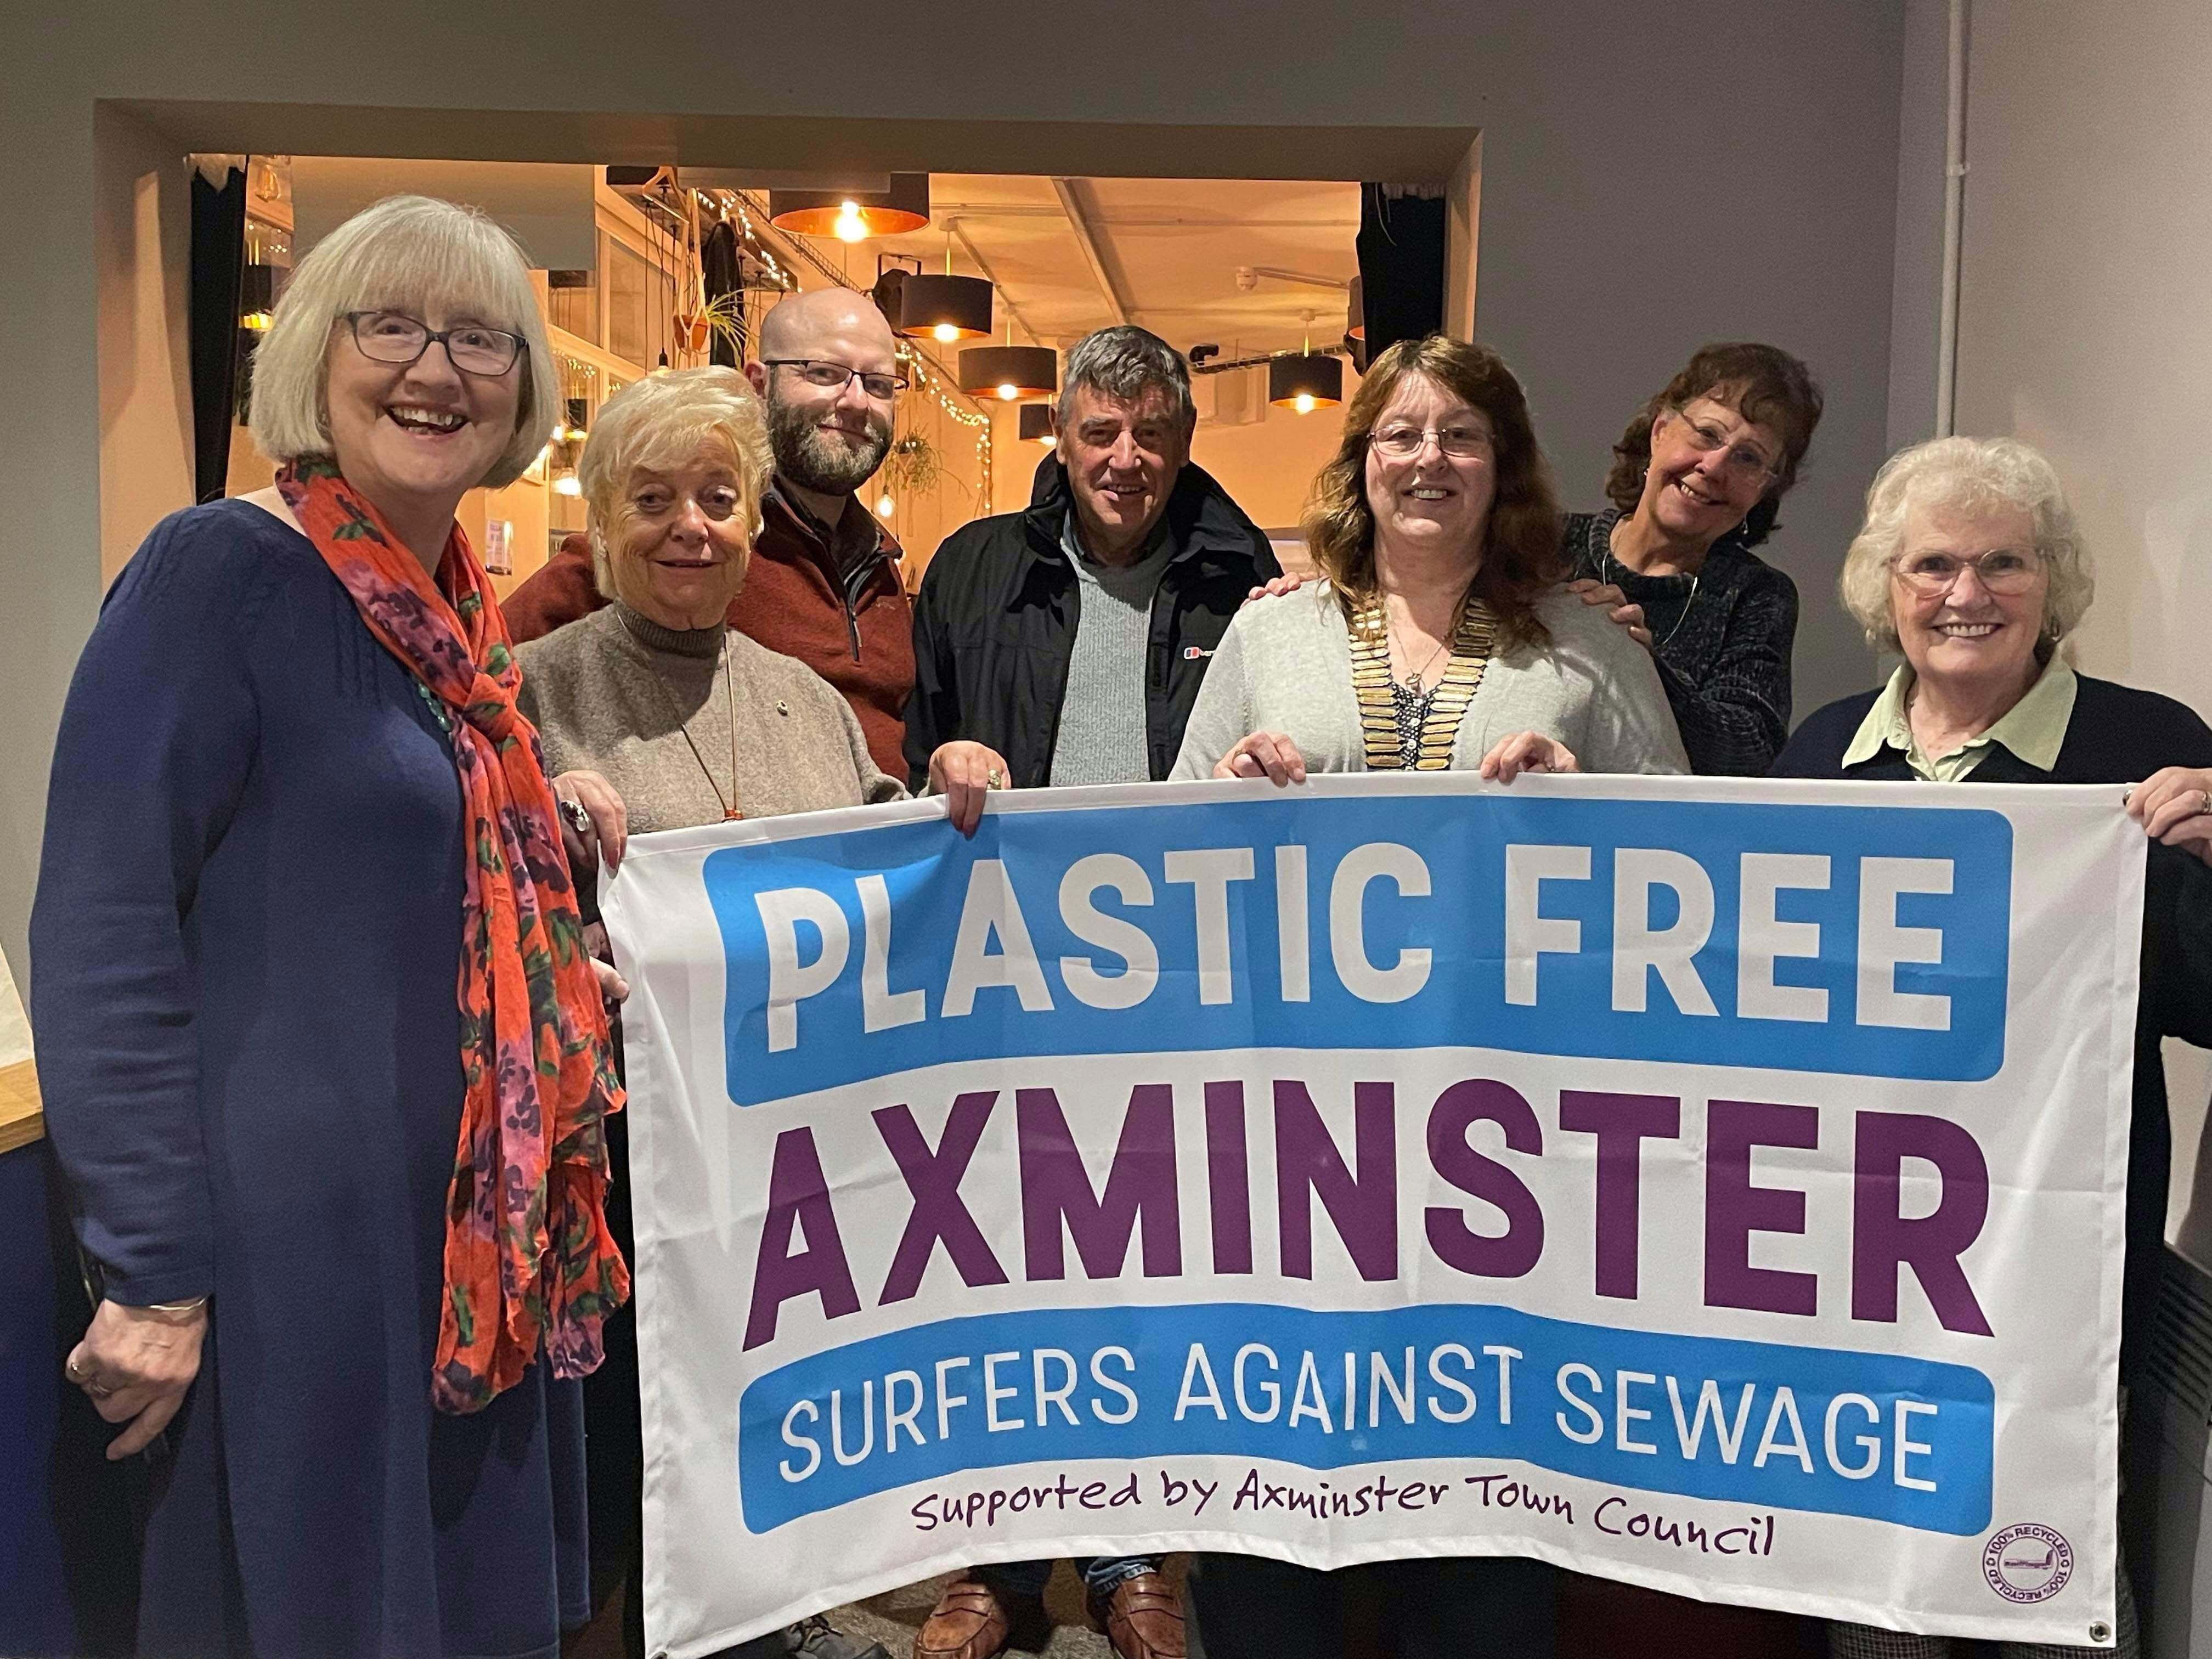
column 856, row 631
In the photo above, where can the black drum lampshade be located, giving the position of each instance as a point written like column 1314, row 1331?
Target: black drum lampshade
column 1304, row 382
column 1009, row 372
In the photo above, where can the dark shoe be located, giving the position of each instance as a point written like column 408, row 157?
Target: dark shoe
column 818, row 1638
column 1143, row 1616
column 968, row 1623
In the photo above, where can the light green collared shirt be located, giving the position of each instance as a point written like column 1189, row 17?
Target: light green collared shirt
column 2033, row 729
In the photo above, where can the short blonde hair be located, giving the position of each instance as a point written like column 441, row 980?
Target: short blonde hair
column 661, row 421
column 411, row 253
column 1964, row 475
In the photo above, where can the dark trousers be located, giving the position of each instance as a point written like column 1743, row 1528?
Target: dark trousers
column 1457, row 1607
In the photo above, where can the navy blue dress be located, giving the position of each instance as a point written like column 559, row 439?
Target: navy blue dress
column 245, row 954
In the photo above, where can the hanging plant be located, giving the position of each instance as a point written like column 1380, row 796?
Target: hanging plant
column 912, row 467
column 723, row 317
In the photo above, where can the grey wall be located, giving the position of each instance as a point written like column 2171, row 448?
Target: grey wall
column 1654, row 177
column 2086, row 327
column 1916, row 289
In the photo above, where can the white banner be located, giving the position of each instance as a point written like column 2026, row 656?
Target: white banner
column 1712, row 1185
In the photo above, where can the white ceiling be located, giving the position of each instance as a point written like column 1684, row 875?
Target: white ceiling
column 1170, row 248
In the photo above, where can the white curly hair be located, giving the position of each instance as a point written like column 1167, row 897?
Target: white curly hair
column 1964, row 475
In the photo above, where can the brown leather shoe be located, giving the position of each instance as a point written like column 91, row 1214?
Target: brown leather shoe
column 1143, row 1617
column 967, row 1624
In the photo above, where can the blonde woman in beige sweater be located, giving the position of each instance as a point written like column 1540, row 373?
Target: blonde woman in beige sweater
column 655, row 714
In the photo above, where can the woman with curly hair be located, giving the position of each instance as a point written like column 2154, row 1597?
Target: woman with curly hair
column 1441, row 637
column 1969, row 567
column 1695, row 482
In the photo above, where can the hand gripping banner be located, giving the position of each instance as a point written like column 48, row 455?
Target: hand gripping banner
column 1712, row 1185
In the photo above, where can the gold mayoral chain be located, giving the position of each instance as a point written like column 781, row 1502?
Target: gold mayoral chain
column 1473, row 637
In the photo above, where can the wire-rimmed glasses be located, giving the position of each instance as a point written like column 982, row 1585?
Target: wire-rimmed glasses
column 2002, row 570
column 1745, row 464
column 1402, row 443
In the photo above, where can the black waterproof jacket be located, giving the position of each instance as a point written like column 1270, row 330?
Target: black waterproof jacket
column 995, row 625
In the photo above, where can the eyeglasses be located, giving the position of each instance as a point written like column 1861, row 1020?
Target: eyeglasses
column 1744, row 465
column 2005, row 570
column 393, row 337
column 1402, row 443
column 831, row 377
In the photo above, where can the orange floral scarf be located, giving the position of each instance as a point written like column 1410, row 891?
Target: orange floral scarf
column 528, row 1256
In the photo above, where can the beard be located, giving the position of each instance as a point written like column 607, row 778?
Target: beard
column 813, row 459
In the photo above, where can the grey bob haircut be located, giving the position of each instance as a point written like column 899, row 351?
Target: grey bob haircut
column 1124, row 362
column 422, row 256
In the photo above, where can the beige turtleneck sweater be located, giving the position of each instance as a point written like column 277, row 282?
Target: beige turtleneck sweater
column 615, row 693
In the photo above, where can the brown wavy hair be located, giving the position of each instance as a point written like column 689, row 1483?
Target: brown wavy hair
column 1762, row 383
column 1520, row 554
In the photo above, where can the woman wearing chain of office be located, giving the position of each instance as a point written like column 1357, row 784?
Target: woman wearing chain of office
column 1695, row 482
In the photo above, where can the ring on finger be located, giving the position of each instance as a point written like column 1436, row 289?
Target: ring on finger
column 2204, row 802
column 578, row 816
column 995, row 779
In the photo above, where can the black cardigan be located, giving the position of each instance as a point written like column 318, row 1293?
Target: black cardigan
column 1721, row 643
column 2117, row 735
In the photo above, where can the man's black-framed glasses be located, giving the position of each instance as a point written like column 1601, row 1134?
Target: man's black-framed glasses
column 393, row 337
column 831, row 377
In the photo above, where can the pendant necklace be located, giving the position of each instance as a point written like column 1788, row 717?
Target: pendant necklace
column 1605, row 569
column 731, row 812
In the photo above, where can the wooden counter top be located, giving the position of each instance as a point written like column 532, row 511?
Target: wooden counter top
column 23, row 1118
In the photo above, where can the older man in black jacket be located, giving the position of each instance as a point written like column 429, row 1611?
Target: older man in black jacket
column 1072, row 637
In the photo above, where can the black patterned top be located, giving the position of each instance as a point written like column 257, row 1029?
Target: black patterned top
column 1722, row 641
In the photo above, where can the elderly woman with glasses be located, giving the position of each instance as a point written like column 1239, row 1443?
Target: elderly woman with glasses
column 1695, row 482
column 653, row 706
column 304, row 938
column 1440, row 639
column 659, row 715
column 1970, row 567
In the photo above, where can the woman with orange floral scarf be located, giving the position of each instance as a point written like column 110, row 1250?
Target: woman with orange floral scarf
column 325, row 1064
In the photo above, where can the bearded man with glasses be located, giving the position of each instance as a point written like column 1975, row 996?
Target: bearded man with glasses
column 824, row 582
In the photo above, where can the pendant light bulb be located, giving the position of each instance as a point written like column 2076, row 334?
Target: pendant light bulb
column 945, row 332
column 850, row 226
column 1008, row 391
column 1304, row 403
column 884, row 505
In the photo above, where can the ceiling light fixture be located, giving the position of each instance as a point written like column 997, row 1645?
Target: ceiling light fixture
column 1304, row 382
column 1036, row 424
column 852, row 215
column 945, row 308
column 1009, row 372
column 1355, row 324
